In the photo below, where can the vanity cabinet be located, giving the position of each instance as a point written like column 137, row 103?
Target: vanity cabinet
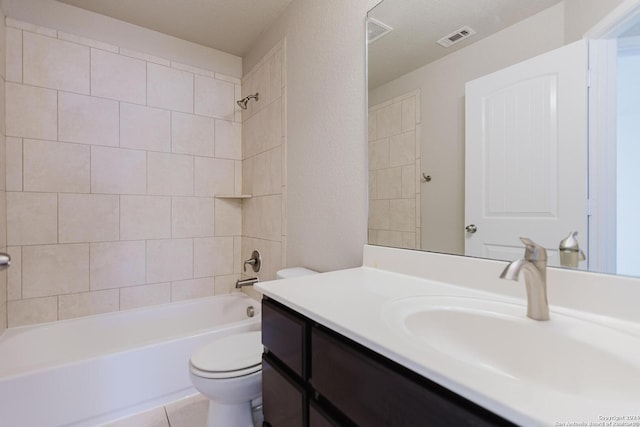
column 315, row 377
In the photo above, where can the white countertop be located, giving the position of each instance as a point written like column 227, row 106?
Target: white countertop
column 351, row 302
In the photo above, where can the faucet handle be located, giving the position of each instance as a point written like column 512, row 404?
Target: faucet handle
column 533, row 251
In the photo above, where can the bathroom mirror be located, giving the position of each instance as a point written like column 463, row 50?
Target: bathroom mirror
column 431, row 106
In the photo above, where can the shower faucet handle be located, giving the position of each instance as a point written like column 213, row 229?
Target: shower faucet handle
column 255, row 262
column 5, row 261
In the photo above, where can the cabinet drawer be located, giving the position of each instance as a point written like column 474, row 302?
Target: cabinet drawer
column 283, row 402
column 283, row 335
column 371, row 392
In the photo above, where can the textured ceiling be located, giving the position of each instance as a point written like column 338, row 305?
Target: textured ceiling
column 418, row 24
column 231, row 26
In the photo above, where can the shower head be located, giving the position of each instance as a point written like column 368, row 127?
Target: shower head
column 243, row 102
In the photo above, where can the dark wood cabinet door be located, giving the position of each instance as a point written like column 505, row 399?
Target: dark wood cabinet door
column 283, row 401
column 283, row 334
column 370, row 393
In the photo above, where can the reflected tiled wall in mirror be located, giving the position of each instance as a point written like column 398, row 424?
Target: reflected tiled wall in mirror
column 394, row 172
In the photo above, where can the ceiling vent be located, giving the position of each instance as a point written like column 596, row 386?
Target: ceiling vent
column 376, row 30
column 456, row 37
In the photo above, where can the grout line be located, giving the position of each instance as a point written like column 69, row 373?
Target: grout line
column 166, row 414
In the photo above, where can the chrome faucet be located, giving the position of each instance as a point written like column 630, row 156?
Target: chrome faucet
column 534, row 266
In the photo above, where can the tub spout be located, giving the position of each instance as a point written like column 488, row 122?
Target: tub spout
column 534, row 268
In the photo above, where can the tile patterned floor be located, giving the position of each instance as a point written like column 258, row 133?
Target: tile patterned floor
column 188, row 412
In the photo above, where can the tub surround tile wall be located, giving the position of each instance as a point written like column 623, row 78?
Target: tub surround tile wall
column 113, row 161
column 4, row 292
column 394, row 172
column 263, row 166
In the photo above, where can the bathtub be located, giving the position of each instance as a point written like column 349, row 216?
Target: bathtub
column 91, row 370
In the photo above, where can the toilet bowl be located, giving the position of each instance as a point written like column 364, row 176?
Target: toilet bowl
column 228, row 371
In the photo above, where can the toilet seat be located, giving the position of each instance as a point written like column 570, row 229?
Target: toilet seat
column 232, row 356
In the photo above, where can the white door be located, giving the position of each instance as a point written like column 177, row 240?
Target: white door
column 526, row 155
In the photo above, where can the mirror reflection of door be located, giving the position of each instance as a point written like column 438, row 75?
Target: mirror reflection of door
column 628, row 155
column 526, row 155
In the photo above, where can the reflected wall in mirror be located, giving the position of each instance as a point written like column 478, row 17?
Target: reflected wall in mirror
column 490, row 122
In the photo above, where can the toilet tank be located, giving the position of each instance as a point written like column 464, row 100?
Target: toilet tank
column 288, row 273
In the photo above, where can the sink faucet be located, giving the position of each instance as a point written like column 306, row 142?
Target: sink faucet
column 534, row 266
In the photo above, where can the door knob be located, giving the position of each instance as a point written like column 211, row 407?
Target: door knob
column 471, row 228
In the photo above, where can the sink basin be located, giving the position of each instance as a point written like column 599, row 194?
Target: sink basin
column 567, row 353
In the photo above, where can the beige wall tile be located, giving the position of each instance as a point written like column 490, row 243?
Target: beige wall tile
column 275, row 71
column 88, row 120
column 118, row 171
column 117, row 264
column 169, row 88
column 31, row 311
column 228, row 140
column 389, row 182
column 144, row 57
column 237, row 254
column 389, row 120
column 192, row 217
column 271, row 125
column 379, row 214
column 14, row 274
column 192, row 134
column 55, row 64
column 214, row 98
column 88, row 303
column 260, row 174
column 379, row 154
column 403, row 215
column 145, row 128
column 169, row 260
column 275, row 174
column 13, row 147
column 191, row 69
column 228, row 217
column 373, row 186
column 262, row 217
column 13, row 38
column 32, row 218
column 213, row 176
column 226, row 284
column 145, row 295
column 54, row 270
column 372, row 126
column 145, row 217
column 402, row 149
column 87, row 218
column 22, row 25
column 389, row 238
column 195, row 288
column 87, row 42
column 213, row 256
column 56, row 166
column 32, row 112
column 118, row 77
column 409, row 114
column 169, row 174
column 408, row 181
column 237, row 180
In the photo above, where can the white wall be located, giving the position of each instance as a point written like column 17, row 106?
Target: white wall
column 442, row 84
column 71, row 19
column 584, row 14
column 326, row 129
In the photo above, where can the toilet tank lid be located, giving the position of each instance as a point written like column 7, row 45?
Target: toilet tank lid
column 288, row 273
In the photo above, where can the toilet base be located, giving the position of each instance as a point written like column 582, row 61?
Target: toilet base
column 229, row 415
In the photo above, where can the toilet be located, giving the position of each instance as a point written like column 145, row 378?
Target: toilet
column 228, row 371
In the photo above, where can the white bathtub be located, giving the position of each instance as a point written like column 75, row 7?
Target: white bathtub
column 87, row 371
